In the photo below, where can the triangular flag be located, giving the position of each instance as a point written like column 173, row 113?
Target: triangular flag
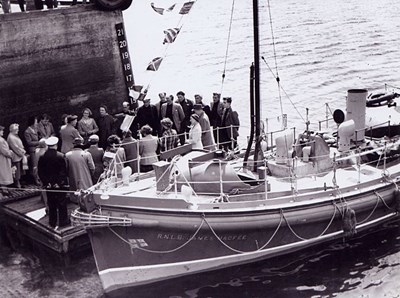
column 186, row 7
column 170, row 35
column 154, row 64
column 157, row 9
column 137, row 88
column 171, row 8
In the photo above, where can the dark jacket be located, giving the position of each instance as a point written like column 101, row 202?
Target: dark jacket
column 216, row 114
column 231, row 118
column 106, row 129
column 148, row 115
column 52, row 168
column 187, row 107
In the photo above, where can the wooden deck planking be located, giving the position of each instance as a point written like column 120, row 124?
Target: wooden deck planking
column 61, row 240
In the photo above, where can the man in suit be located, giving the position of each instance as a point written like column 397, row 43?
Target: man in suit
column 163, row 100
column 216, row 108
column 187, row 107
column 52, row 170
column 230, row 125
column 174, row 112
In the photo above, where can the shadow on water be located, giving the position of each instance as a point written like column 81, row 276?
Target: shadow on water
column 322, row 271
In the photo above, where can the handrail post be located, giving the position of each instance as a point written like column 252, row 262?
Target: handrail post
column 265, row 180
column 232, row 139
column 221, row 185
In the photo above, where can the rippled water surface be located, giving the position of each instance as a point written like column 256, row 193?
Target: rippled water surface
column 323, row 48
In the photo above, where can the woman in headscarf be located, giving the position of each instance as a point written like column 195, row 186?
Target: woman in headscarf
column 195, row 132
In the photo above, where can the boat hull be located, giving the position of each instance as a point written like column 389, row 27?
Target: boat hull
column 172, row 244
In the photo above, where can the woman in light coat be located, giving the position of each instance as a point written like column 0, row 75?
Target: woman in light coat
column 147, row 149
column 6, row 177
column 18, row 150
column 87, row 126
column 195, row 133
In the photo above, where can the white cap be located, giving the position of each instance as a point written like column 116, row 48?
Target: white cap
column 51, row 141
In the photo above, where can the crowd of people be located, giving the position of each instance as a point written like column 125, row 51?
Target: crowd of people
column 81, row 151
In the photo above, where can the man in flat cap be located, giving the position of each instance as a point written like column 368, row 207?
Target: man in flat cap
column 52, row 170
column 69, row 133
column 97, row 156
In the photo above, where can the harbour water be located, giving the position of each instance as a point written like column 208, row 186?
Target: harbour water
column 323, row 48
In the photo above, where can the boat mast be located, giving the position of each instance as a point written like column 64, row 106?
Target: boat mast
column 251, row 138
column 256, row 81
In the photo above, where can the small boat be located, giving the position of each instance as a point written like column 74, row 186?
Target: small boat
column 200, row 211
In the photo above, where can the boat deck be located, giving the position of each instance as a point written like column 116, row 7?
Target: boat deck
column 27, row 216
column 280, row 192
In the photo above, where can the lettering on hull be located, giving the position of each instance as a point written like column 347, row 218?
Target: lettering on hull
column 180, row 237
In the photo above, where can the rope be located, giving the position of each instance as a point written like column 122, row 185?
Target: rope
column 373, row 210
column 286, row 94
column 383, row 201
column 275, row 57
column 302, row 238
column 273, row 235
column 227, row 46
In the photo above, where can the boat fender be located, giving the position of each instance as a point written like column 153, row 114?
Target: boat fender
column 396, row 195
column 349, row 222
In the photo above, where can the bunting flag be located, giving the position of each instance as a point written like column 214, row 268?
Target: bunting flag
column 157, row 9
column 186, row 7
column 135, row 91
column 170, row 35
column 171, row 8
column 154, row 64
column 137, row 88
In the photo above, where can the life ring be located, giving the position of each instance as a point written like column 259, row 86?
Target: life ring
column 380, row 98
column 113, row 4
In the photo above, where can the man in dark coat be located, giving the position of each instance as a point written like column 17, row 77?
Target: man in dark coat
column 106, row 126
column 120, row 118
column 187, row 107
column 52, row 170
column 216, row 110
column 147, row 114
column 229, row 125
